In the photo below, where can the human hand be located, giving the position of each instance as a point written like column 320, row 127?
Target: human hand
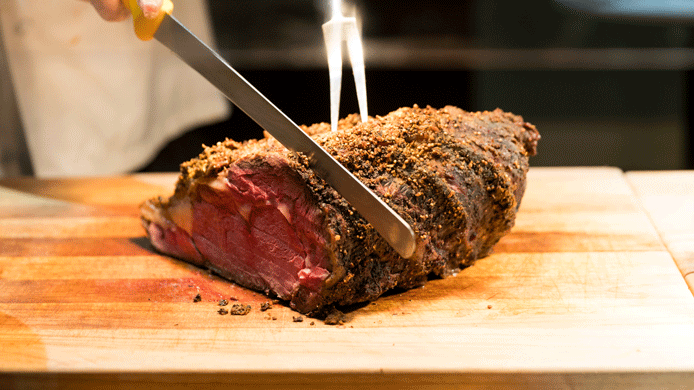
column 114, row 10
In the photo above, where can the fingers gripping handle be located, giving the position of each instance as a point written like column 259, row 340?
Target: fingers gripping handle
column 144, row 27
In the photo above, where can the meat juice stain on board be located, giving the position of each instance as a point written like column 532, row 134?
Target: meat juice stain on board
column 397, row 302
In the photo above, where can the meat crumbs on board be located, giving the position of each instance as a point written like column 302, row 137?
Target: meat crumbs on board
column 256, row 213
column 239, row 309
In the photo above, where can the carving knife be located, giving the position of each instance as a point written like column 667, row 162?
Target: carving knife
column 172, row 34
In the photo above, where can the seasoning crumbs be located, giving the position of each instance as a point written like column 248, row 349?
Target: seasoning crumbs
column 238, row 309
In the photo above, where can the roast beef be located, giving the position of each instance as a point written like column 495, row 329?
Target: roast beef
column 256, row 214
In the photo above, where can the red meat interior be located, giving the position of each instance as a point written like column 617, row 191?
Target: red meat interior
column 259, row 226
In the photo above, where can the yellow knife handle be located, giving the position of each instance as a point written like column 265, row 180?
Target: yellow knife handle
column 145, row 28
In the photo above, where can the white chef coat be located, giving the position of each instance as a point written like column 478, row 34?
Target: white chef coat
column 94, row 99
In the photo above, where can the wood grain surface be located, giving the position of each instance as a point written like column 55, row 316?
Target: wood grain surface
column 668, row 198
column 582, row 294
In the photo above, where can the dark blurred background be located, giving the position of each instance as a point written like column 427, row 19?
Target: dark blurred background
column 604, row 87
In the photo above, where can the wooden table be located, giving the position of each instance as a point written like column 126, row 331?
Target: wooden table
column 585, row 292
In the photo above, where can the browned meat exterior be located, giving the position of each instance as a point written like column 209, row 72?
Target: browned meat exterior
column 256, row 214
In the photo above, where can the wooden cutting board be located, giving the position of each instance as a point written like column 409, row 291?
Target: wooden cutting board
column 582, row 293
column 668, row 198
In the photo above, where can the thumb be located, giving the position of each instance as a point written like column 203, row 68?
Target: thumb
column 150, row 8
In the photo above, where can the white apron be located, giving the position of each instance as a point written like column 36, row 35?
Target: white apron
column 94, row 99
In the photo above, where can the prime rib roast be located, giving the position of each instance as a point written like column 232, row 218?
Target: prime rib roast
column 256, row 214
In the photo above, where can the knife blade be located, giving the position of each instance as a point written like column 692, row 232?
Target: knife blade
column 391, row 226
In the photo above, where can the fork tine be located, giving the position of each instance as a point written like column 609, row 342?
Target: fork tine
column 337, row 30
column 356, row 58
column 333, row 43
